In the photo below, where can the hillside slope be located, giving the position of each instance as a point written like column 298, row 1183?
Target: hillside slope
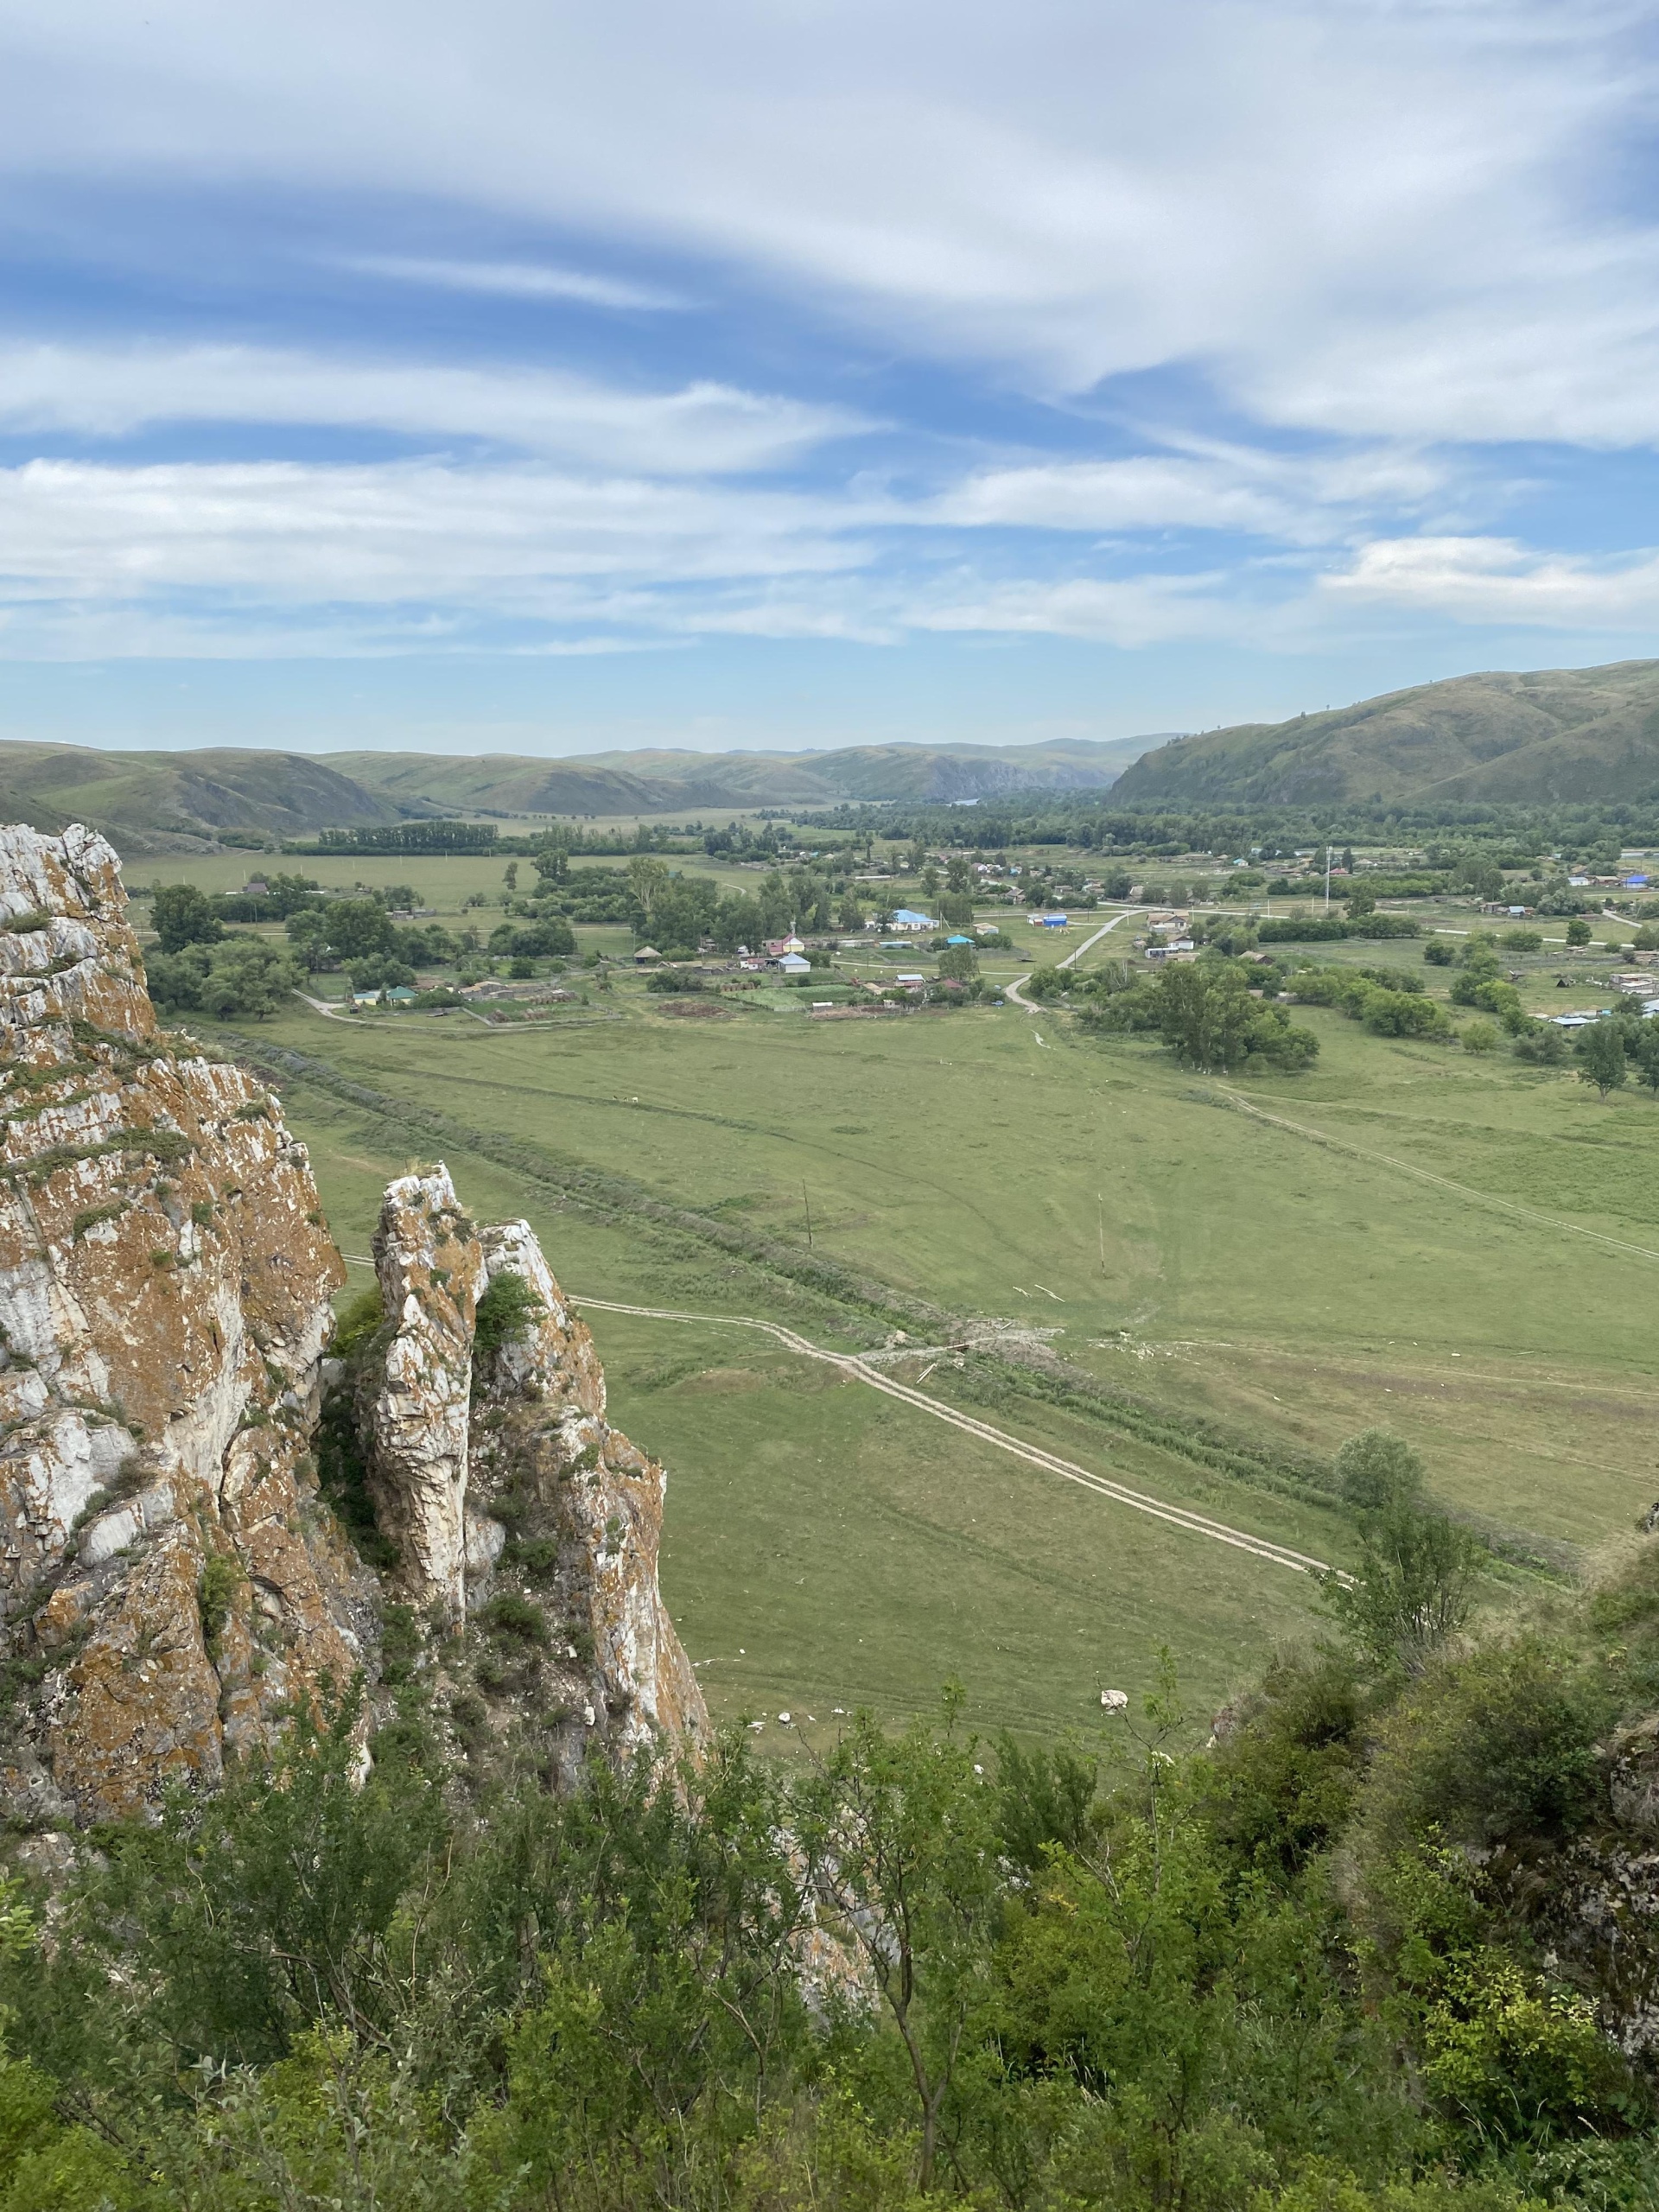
column 160, row 802
column 1561, row 734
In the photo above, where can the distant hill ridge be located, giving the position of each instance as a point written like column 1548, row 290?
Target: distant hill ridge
column 164, row 802
column 1540, row 736
column 1548, row 735
column 158, row 801
column 667, row 781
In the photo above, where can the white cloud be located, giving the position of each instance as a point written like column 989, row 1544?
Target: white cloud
column 414, row 551
column 396, row 531
column 1497, row 580
column 1128, row 611
column 518, row 280
column 1382, row 229
column 181, row 558
column 425, row 555
column 1216, row 487
column 703, row 429
column 1307, row 198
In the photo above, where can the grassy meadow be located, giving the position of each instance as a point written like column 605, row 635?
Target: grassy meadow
column 1291, row 1284
column 826, row 1545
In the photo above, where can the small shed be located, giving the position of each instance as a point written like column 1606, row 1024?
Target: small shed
column 792, row 964
column 647, row 956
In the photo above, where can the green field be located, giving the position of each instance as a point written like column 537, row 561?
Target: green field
column 826, row 1545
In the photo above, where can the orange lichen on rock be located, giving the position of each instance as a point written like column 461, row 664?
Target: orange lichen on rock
column 165, row 1297
column 171, row 1583
column 586, row 1507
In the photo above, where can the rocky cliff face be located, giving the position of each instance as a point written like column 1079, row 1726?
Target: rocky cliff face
column 171, row 1580
column 479, row 1411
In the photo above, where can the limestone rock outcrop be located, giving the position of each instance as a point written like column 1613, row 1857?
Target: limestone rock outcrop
column 508, row 1494
column 171, row 1580
column 431, row 1274
column 585, row 1510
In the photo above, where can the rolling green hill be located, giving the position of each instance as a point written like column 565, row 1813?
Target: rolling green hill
column 162, row 802
column 179, row 802
column 667, row 782
column 1560, row 733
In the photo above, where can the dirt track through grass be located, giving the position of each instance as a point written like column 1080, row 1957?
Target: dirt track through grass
column 1440, row 1182
column 1195, row 1523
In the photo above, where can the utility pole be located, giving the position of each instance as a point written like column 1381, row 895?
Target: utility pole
column 807, row 1203
column 1327, row 875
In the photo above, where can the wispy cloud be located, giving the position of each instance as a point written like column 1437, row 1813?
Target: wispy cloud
column 428, row 555
column 515, row 280
column 1249, row 321
column 700, row 428
column 1304, row 199
column 1497, row 580
column 1304, row 500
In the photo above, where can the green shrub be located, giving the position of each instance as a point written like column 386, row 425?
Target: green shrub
column 357, row 1322
column 1279, row 1783
column 537, row 1561
column 1411, row 1588
column 1543, row 1044
column 1518, row 2061
column 1377, row 1469
column 509, row 1308
column 93, row 1214
column 216, row 1592
column 510, row 1615
column 1495, row 1747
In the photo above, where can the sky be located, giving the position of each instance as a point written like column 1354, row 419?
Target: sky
column 526, row 377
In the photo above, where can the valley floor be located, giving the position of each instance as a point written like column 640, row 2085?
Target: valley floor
column 1287, row 1286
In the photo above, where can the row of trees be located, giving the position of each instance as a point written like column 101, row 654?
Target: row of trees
column 1202, row 1010
column 1458, row 836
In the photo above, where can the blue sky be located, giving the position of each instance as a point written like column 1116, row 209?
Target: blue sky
column 522, row 376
